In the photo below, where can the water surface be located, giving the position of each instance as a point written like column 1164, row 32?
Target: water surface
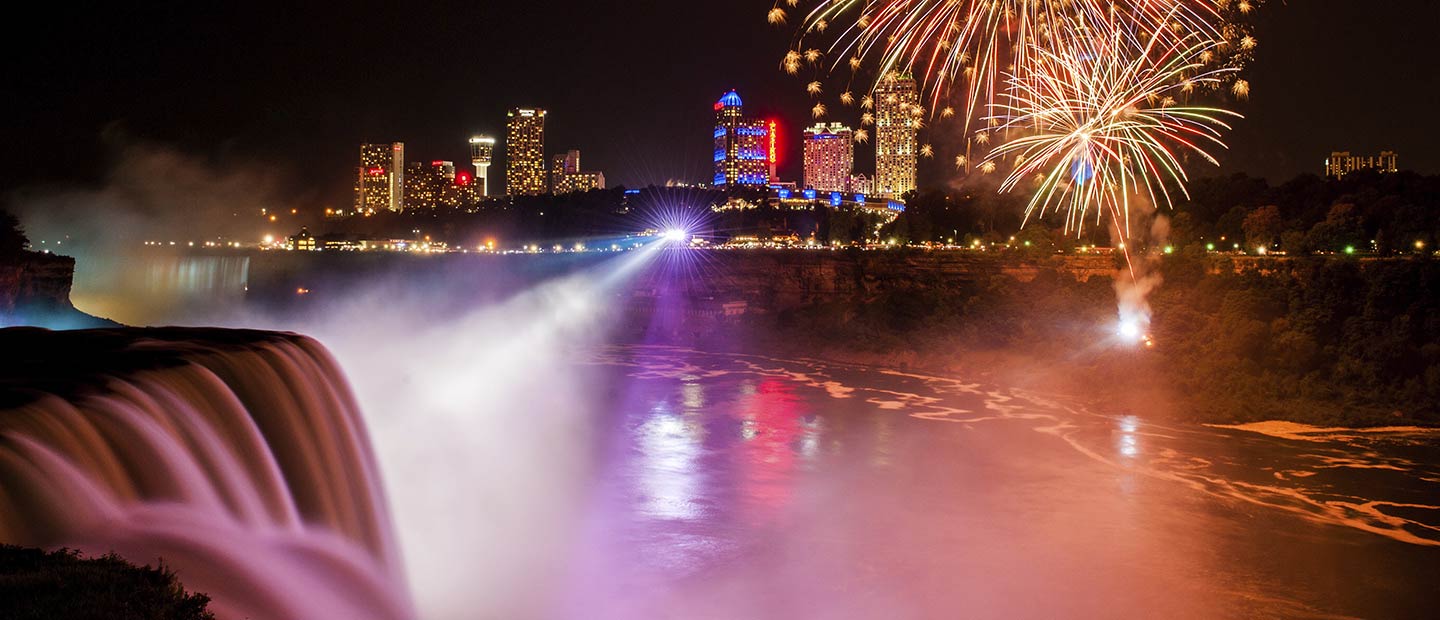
column 744, row 486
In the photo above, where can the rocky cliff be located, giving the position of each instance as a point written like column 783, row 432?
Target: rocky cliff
column 35, row 290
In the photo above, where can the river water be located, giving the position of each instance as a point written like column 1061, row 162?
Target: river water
column 536, row 469
column 738, row 486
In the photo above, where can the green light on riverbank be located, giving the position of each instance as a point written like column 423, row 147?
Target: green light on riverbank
column 1169, row 249
column 1349, row 249
column 1209, row 247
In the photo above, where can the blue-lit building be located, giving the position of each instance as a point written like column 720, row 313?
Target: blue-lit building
column 742, row 145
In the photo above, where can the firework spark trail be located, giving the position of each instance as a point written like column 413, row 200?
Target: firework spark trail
column 971, row 44
column 1100, row 127
column 1090, row 98
column 1098, row 121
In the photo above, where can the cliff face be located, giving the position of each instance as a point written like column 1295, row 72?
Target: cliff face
column 781, row 280
column 35, row 280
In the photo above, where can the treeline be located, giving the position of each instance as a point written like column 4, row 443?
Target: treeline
column 1316, row 340
column 12, row 236
column 1366, row 212
column 1361, row 339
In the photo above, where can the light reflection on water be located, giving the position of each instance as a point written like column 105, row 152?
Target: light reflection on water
column 669, row 477
column 1129, row 442
column 761, row 488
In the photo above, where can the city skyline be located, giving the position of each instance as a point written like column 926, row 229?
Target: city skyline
column 289, row 117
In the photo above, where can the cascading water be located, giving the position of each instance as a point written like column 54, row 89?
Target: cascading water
column 237, row 457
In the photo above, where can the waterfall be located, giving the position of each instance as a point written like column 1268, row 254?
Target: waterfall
column 238, row 457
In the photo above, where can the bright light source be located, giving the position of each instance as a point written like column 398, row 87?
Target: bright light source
column 676, row 235
column 1129, row 331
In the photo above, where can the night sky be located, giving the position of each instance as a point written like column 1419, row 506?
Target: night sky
column 296, row 89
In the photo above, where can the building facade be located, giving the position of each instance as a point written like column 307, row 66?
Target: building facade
column 525, row 152
column 829, row 157
column 741, row 145
column 860, row 184
column 566, row 176
column 482, row 148
column 897, row 127
column 1341, row 163
column 380, row 179
column 431, row 185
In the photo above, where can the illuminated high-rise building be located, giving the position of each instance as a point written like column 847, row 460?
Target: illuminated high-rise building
column 525, row 152
column 481, row 149
column 419, row 191
column 741, row 145
column 380, row 179
column 426, row 183
column 829, row 157
column 566, row 177
column 443, row 171
column 897, row 123
column 1341, row 163
column 563, row 165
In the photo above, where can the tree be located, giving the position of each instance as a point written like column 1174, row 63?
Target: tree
column 1340, row 230
column 1262, row 226
column 61, row 584
column 12, row 237
column 1231, row 226
column 1293, row 242
column 1183, row 231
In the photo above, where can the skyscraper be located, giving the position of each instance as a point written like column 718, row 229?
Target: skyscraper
column 481, row 149
column 419, row 192
column 525, row 152
column 426, row 184
column 561, row 166
column 1341, row 163
column 897, row 122
column 829, row 157
column 566, row 177
column 741, row 145
column 380, row 179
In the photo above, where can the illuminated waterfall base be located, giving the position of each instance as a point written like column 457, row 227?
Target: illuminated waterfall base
column 238, row 457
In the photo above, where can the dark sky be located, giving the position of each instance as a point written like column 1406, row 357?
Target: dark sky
column 629, row 83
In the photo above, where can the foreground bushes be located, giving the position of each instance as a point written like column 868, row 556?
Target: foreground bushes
column 61, row 585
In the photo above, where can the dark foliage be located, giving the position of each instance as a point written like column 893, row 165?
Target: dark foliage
column 1316, row 340
column 1361, row 337
column 12, row 237
column 61, row 585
